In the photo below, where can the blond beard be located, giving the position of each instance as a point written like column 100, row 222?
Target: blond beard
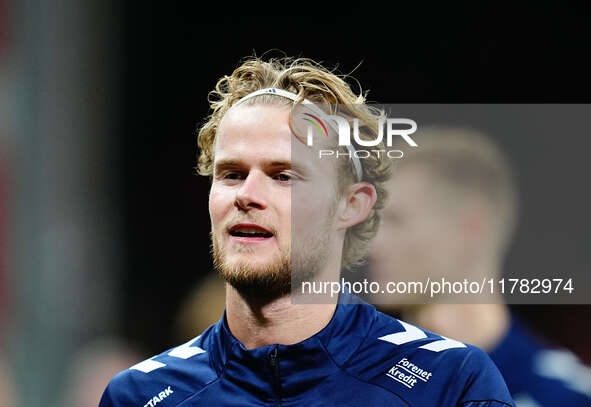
column 287, row 269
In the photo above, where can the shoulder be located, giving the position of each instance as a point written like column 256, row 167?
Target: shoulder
column 174, row 374
column 421, row 366
column 388, row 338
column 539, row 373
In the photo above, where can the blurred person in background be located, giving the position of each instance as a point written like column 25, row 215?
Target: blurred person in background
column 267, row 349
column 91, row 368
column 452, row 213
column 203, row 306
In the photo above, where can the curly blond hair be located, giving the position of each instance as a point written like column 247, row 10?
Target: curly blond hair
column 312, row 81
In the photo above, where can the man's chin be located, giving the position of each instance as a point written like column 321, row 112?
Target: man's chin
column 259, row 279
column 260, row 286
column 251, row 264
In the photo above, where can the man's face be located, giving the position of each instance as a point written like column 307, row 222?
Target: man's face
column 260, row 176
column 420, row 235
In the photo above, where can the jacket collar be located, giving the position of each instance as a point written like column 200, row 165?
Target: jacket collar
column 287, row 370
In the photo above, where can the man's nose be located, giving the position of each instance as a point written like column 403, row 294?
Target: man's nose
column 252, row 192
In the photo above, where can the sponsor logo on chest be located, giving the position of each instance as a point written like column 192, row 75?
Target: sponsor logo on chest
column 408, row 373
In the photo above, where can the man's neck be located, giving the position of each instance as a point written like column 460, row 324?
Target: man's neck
column 278, row 321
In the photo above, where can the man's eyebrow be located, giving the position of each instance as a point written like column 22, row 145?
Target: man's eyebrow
column 228, row 163
column 278, row 163
column 284, row 164
column 270, row 164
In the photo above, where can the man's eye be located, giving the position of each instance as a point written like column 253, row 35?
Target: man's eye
column 283, row 177
column 232, row 175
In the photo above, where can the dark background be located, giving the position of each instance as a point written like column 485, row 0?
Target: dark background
column 174, row 54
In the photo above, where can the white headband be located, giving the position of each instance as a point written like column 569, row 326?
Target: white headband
column 283, row 93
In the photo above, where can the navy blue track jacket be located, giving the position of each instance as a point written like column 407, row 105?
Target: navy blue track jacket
column 361, row 358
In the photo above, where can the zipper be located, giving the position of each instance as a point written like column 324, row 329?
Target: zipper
column 274, row 362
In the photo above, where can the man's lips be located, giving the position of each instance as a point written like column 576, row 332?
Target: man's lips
column 249, row 231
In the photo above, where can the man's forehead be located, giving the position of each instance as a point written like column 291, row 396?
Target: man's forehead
column 254, row 125
column 263, row 132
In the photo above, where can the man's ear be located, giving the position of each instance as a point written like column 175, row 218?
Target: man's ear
column 356, row 204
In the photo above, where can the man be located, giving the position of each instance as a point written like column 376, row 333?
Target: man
column 452, row 214
column 267, row 187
